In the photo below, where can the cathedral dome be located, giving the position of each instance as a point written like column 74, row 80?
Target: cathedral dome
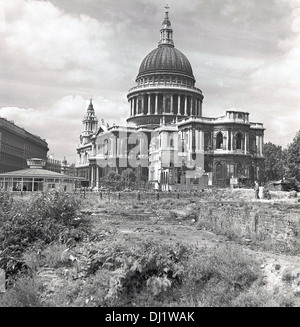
column 165, row 85
column 166, row 58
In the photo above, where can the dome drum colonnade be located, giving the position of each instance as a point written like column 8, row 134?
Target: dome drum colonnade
column 165, row 84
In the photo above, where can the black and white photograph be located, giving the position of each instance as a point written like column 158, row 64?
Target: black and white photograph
column 149, row 156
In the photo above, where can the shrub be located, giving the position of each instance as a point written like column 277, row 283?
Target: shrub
column 41, row 220
column 54, row 255
column 119, row 273
column 25, row 293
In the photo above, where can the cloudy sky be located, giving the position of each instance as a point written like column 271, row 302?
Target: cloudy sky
column 56, row 55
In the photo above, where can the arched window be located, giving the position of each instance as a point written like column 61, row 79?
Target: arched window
column 239, row 141
column 219, row 144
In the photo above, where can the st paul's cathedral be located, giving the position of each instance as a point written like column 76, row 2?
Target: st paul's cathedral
column 167, row 140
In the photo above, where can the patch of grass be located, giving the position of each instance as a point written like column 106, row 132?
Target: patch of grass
column 215, row 277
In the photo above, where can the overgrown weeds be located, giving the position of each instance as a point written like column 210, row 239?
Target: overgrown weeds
column 57, row 259
column 143, row 273
column 43, row 219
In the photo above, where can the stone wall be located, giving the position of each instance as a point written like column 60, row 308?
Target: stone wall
column 275, row 224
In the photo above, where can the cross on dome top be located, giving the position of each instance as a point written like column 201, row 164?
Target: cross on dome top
column 166, row 33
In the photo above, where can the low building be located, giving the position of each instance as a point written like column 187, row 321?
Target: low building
column 53, row 164
column 35, row 178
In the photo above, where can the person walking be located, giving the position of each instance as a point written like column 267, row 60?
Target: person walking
column 256, row 190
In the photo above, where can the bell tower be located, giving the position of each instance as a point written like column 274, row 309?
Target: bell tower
column 90, row 124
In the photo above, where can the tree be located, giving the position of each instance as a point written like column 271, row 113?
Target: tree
column 113, row 176
column 274, row 162
column 128, row 175
column 293, row 158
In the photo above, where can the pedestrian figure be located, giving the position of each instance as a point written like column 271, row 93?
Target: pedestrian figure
column 256, row 190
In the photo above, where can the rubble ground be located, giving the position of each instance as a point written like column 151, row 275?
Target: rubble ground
column 172, row 220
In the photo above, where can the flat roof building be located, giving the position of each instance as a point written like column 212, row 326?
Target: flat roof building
column 35, row 178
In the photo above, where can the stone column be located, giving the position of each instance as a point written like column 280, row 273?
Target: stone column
column 185, row 105
column 192, row 106
column 179, row 102
column 92, row 176
column 143, row 103
column 149, row 104
column 246, row 143
column 202, row 141
column 231, row 141
column 201, row 107
column 197, row 139
column 164, row 103
column 134, row 106
column 228, row 137
column 257, row 145
column 97, row 176
column 112, row 147
column 171, row 105
column 156, row 103
column 261, row 145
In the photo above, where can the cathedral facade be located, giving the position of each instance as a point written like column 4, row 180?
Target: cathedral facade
column 167, row 141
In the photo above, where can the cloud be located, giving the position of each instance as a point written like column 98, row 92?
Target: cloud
column 61, row 124
column 55, row 55
column 72, row 46
column 281, row 79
